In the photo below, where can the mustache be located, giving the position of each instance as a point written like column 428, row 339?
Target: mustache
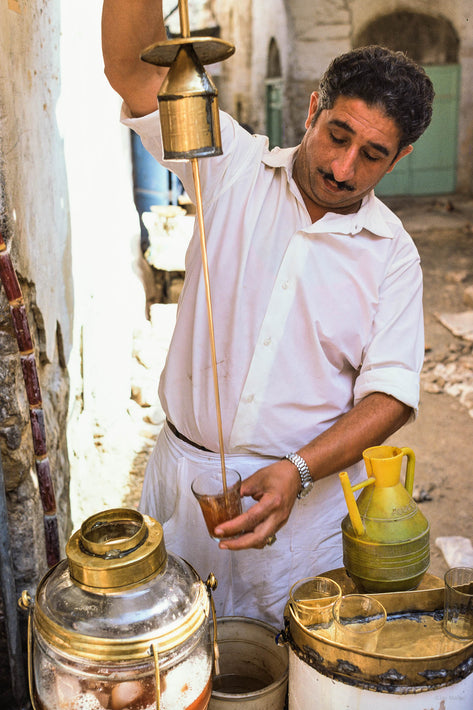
column 341, row 185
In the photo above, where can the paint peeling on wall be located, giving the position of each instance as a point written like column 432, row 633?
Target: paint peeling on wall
column 15, row 6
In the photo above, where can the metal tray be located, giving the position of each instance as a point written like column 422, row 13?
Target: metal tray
column 412, row 650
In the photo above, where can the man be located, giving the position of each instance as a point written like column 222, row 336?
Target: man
column 317, row 299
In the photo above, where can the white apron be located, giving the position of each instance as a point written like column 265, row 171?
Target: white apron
column 252, row 583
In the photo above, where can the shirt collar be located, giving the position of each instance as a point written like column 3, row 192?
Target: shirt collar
column 372, row 216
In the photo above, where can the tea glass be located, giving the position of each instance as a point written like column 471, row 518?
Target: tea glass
column 312, row 600
column 359, row 619
column 218, row 507
column 458, row 605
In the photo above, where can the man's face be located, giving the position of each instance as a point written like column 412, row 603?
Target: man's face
column 345, row 154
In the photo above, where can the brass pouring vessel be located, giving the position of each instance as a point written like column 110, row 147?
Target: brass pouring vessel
column 188, row 111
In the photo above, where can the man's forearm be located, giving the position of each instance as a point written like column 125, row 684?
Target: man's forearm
column 128, row 26
column 369, row 423
column 275, row 487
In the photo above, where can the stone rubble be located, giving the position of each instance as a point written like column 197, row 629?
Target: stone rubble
column 454, row 373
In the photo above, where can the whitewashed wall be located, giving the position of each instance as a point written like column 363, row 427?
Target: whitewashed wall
column 35, row 223
column 35, row 180
column 34, row 219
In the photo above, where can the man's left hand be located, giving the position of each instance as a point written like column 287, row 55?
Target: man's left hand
column 275, row 488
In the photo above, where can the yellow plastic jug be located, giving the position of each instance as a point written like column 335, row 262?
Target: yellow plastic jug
column 386, row 543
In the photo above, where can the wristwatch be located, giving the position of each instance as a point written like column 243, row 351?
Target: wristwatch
column 304, row 473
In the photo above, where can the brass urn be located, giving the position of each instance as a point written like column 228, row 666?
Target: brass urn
column 120, row 623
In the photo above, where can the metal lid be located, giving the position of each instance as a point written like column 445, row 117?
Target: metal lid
column 118, row 592
column 116, row 548
column 208, row 49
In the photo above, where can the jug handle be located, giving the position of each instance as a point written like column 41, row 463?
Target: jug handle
column 211, row 585
column 348, row 491
column 411, row 462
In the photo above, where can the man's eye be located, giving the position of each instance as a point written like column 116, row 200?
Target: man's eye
column 339, row 141
column 373, row 158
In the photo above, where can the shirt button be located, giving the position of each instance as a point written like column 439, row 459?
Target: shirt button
column 285, row 285
column 267, row 341
column 249, row 398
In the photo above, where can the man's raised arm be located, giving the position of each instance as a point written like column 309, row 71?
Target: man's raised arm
column 128, row 26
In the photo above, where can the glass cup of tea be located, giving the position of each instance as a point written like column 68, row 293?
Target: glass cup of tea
column 217, row 505
column 312, row 600
column 458, row 606
column 359, row 619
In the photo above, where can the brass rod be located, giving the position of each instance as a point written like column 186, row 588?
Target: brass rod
column 154, row 649
column 184, row 19
column 203, row 247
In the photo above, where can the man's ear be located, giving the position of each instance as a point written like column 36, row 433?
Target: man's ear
column 314, row 102
column 405, row 151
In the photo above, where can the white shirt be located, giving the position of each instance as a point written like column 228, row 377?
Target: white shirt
column 308, row 318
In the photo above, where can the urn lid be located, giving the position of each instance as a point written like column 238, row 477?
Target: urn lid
column 119, row 591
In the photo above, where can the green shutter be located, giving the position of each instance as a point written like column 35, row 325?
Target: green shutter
column 431, row 167
column 274, row 112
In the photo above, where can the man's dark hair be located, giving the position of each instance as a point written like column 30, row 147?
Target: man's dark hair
column 382, row 78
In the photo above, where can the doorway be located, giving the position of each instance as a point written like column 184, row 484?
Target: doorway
column 432, row 42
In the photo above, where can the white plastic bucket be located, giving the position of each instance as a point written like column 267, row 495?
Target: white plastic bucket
column 248, row 650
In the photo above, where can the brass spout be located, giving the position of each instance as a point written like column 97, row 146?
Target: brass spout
column 348, row 492
column 190, row 129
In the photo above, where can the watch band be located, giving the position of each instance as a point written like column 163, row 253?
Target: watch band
column 304, row 473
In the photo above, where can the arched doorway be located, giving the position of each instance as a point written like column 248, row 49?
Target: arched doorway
column 433, row 42
column 274, row 96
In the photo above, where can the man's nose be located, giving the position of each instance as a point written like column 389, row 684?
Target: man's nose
column 344, row 165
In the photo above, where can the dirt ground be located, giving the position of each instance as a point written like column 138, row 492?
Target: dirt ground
column 442, row 436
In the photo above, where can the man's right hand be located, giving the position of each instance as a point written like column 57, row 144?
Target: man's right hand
column 128, row 27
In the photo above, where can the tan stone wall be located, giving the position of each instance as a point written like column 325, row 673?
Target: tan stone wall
column 308, row 35
column 459, row 14
column 34, row 221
